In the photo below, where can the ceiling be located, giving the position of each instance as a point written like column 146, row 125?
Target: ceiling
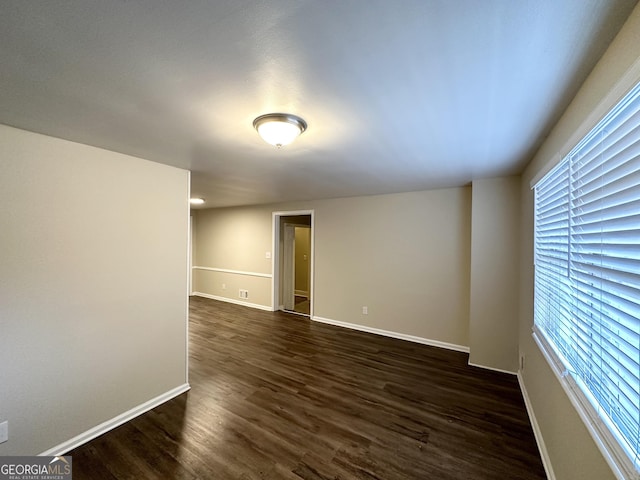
column 398, row 95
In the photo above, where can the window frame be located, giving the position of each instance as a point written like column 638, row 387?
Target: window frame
column 617, row 453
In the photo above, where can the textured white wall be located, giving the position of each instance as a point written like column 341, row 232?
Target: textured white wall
column 93, row 286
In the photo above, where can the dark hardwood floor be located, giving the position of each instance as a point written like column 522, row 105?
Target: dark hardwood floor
column 277, row 396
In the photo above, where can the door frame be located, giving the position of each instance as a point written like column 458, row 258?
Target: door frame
column 288, row 272
column 192, row 241
column 308, row 290
column 275, row 257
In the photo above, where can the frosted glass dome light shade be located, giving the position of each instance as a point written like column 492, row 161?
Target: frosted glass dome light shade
column 279, row 129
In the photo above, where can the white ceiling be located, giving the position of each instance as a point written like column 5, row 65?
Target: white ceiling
column 398, row 95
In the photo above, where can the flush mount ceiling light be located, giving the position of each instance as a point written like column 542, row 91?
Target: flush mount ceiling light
column 196, row 201
column 279, row 129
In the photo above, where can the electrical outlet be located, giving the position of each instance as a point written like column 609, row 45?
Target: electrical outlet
column 224, row 286
column 365, row 310
column 4, row 431
column 267, row 255
column 243, row 293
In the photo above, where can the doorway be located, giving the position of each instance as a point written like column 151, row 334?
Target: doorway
column 293, row 262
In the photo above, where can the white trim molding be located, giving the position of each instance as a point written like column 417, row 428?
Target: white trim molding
column 234, row 301
column 388, row 333
column 493, row 369
column 275, row 255
column 235, row 272
column 109, row 425
column 537, row 433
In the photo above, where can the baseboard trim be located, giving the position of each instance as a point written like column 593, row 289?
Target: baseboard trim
column 301, row 293
column 493, row 369
column 537, row 433
column 109, row 425
column 388, row 333
column 234, row 301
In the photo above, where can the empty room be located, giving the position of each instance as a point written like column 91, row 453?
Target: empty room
column 297, row 239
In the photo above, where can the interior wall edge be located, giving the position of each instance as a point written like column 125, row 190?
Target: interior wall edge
column 94, row 291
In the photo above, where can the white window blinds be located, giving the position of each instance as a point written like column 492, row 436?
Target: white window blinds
column 587, row 272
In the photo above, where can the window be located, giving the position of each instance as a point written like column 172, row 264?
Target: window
column 587, row 280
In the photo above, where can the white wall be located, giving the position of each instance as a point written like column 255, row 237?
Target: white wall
column 93, row 286
column 404, row 256
column 495, row 252
column 571, row 450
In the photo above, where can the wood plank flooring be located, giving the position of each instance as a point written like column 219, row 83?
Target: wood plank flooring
column 277, row 396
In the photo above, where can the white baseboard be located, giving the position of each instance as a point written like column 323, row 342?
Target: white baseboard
column 234, row 301
column 104, row 427
column 301, row 293
column 493, row 369
column 544, row 454
column 387, row 333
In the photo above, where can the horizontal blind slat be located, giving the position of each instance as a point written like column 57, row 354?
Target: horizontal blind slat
column 588, row 166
